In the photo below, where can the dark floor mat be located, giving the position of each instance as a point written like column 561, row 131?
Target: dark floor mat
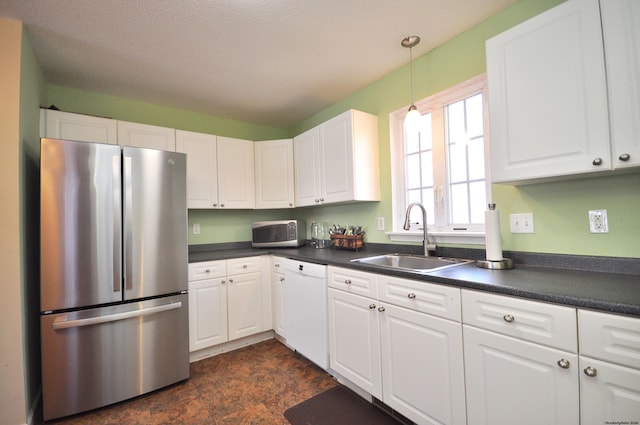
column 338, row 405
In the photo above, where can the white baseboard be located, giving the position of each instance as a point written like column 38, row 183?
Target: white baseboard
column 229, row 346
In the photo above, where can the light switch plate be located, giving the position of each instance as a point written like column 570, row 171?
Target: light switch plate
column 521, row 223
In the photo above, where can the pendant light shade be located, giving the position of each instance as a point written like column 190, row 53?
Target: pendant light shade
column 412, row 119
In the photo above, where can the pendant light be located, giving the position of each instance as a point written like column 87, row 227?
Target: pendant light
column 412, row 119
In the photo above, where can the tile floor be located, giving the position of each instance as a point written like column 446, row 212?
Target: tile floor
column 252, row 385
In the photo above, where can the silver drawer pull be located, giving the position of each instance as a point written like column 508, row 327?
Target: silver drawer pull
column 244, row 266
column 564, row 363
column 590, row 371
column 207, row 271
column 411, row 295
column 624, row 157
column 347, row 281
column 372, row 306
column 508, row 318
column 381, row 309
column 282, row 279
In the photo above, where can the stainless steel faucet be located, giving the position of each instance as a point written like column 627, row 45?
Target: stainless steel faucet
column 425, row 239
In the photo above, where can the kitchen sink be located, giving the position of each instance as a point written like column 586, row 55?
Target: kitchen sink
column 413, row 263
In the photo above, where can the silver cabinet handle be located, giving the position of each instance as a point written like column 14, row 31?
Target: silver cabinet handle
column 61, row 323
column 230, row 280
column 276, row 265
column 564, row 363
column 207, row 271
column 321, row 199
column 244, row 266
column 597, row 161
column 215, row 205
column 372, row 306
column 624, row 157
column 282, row 279
column 223, row 282
column 411, row 295
column 590, row 371
column 381, row 309
column 347, row 281
column 508, row 318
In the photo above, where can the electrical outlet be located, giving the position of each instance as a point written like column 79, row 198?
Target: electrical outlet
column 598, row 221
column 380, row 223
column 196, row 228
column 521, row 223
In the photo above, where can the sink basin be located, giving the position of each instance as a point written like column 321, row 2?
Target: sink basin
column 414, row 263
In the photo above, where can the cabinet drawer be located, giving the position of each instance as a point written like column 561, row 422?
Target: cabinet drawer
column 244, row 265
column 353, row 281
column 547, row 324
column 610, row 337
column 438, row 300
column 206, row 270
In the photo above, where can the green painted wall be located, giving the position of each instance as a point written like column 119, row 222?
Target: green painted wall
column 80, row 101
column 560, row 209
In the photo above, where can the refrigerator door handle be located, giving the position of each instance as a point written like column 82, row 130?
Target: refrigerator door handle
column 128, row 231
column 117, row 223
column 60, row 323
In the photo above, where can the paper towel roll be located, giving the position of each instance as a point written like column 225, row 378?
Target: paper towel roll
column 492, row 235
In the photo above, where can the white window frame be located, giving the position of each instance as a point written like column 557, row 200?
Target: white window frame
column 474, row 235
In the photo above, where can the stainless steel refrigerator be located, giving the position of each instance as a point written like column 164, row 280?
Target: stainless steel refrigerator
column 114, row 310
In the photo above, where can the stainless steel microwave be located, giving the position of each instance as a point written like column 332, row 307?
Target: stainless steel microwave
column 279, row 233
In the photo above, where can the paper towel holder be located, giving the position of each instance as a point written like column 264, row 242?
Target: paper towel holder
column 503, row 264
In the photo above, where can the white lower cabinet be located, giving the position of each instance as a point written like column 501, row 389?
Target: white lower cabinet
column 227, row 301
column 521, row 361
column 609, row 368
column 510, row 381
column 410, row 360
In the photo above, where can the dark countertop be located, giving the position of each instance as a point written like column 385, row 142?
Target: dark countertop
column 603, row 291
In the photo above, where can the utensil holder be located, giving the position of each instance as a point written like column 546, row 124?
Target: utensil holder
column 350, row 242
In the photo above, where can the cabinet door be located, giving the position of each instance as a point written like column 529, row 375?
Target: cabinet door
column 609, row 394
column 422, row 366
column 83, row 128
column 202, row 168
column 354, row 340
column 621, row 31
column 207, row 313
column 306, row 153
column 244, row 301
column 548, row 96
column 274, row 174
column 336, row 153
column 235, row 173
column 509, row 381
column 146, row 136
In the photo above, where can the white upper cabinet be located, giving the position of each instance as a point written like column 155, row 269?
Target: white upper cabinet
column 621, row 29
column 83, row 128
column 274, row 174
column 548, row 96
column 337, row 161
column 236, row 186
column 146, row 136
column 202, row 168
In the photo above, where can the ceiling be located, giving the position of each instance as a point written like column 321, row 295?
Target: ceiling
column 269, row 62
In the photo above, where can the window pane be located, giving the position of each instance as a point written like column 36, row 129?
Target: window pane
column 456, row 127
column 413, row 171
column 459, row 203
column 474, row 116
column 478, row 201
column 427, row 169
column 426, row 133
column 428, row 202
column 414, row 196
column 457, row 163
column 476, row 159
column 412, row 142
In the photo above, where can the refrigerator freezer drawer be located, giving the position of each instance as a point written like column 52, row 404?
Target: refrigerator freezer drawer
column 96, row 357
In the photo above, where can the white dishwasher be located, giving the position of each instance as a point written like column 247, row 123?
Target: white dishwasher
column 305, row 308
